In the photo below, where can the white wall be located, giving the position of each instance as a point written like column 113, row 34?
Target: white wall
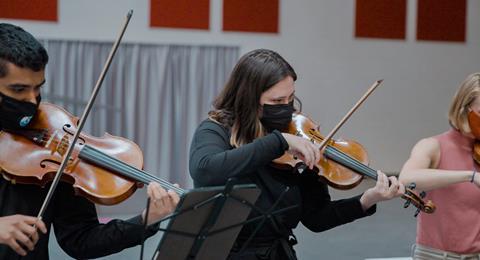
column 334, row 68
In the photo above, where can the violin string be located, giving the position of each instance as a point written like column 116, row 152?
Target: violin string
column 348, row 159
column 132, row 171
column 124, row 168
column 364, row 168
column 358, row 164
column 352, row 162
column 138, row 174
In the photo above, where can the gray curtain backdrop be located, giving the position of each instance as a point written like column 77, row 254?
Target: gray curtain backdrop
column 155, row 95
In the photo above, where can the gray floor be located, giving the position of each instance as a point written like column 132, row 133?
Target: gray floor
column 388, row 233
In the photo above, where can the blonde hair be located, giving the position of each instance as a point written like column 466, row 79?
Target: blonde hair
column 467, row 93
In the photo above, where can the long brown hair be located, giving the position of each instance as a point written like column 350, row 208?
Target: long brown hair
column 237, row 106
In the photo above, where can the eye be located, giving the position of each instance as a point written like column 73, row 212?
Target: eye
column 17, row 89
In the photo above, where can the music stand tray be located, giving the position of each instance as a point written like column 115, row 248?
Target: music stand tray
column 207, row 222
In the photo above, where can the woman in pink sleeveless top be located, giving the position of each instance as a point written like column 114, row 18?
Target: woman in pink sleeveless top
column 442, row 166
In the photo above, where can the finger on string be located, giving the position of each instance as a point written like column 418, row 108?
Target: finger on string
column 380, row 177
column 174, row 196
column 150, row 193
column 395, row 185
column 385, row 181
column 162, row 195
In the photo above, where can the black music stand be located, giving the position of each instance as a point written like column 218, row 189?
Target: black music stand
column 207, row 222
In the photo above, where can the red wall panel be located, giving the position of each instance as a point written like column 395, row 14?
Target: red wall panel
column 251, row 15
column 190, row 14
column 381, row 19
column 441, row 20
column 43, row 10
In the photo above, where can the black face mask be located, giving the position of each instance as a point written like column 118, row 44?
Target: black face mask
column 15, row 114
column 277, row 117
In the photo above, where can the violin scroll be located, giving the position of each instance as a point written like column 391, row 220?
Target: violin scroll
column 411, row 197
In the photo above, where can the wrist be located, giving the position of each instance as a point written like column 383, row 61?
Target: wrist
column 366, row 201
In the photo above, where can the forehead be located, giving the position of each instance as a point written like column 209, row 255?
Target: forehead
column 283, row 88
column 22, row 76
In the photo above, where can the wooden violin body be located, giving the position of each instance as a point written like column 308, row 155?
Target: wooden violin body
column 34, row 155
column 344, row 164
column 331, row 172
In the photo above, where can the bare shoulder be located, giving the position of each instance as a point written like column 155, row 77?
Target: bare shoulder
column 427, row 150
column 428, row 144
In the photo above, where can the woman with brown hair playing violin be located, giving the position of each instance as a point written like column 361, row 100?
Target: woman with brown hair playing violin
column 444, row 167
column 241, row 138
column 77, row 229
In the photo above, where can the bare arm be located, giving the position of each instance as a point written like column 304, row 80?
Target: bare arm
column 421, row 168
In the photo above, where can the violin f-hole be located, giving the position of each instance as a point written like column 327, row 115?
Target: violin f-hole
column 68, row 131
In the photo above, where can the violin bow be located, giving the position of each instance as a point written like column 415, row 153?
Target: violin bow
column 409, row 195
column 84, row 116
column 349, row 113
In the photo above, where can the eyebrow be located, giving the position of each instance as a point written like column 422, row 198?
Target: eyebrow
column 291, row 95
column 16, row 85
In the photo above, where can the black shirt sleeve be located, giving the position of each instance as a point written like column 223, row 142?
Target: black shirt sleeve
column 320, row 213
column 213, row 161
column 80, row 234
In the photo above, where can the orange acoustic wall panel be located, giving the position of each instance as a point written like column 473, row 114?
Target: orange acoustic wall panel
column 251, row 15
column 43, row 10
column 381, row 19
column 441, row 20
column 188, row 14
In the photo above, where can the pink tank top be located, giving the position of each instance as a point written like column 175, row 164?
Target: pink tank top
column 455, row 225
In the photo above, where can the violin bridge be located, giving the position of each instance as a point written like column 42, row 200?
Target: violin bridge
column 63, row 145
column 49, row 142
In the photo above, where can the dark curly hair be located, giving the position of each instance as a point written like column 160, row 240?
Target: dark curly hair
column 20, row 48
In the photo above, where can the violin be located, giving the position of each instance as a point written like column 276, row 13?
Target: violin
column 105, row 170
column 474, row 123
column 344, row 164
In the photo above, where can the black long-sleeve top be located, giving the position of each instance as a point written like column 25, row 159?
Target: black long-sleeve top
column 74, row 219
column 213, row 160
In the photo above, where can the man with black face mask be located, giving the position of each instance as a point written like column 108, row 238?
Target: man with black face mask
column 77, row 229
column 240, row 139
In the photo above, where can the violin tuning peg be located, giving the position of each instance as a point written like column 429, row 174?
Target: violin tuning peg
column 407, row 203
column 412, row 185
column 416, row 212
column 423, row 194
